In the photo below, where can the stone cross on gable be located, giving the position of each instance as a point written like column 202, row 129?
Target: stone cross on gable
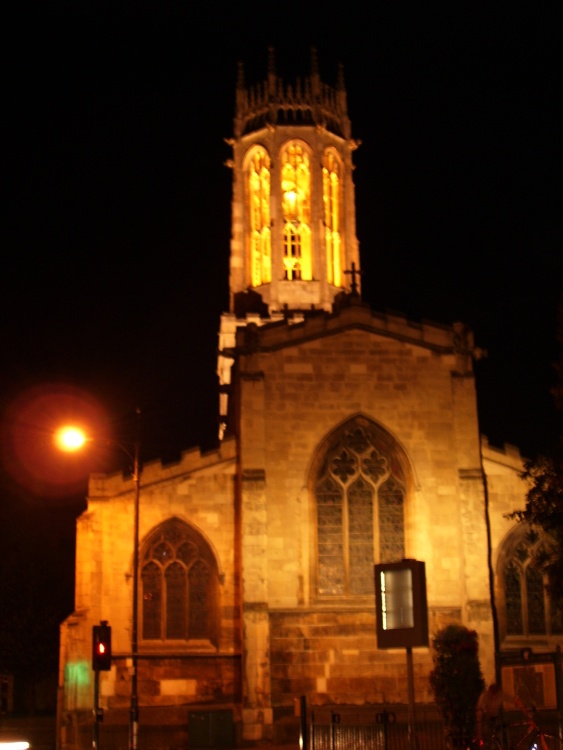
column 353, row 273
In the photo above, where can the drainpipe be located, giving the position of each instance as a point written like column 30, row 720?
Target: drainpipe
column 496, row 636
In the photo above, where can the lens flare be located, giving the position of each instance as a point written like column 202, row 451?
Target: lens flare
column 30, row 445
column 70, row 438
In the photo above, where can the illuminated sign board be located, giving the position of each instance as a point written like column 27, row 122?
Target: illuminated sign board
column 401, row 608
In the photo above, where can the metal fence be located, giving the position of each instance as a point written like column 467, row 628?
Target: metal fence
column 384, row 732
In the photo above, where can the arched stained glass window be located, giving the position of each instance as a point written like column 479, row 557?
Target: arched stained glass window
column 332, row 204
column 528, row 610
column 359, row 492
column 258, row 196
column 296, row 211
column 179, row 583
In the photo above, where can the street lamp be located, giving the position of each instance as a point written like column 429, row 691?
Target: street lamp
column 70, row 438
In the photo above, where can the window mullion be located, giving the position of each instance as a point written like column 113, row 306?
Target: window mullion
column 346, row 539
column 163, row 604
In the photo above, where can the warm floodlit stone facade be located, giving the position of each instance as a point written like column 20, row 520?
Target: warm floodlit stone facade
column 348, row 438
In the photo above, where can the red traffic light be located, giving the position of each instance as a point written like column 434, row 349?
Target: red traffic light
column 101, row 647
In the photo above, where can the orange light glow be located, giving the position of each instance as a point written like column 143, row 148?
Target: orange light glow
column 259, row 215
column 70, row 438
column 32, row 455
column 296, row 210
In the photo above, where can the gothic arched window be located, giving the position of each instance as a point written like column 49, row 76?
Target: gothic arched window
column 179, row 586
column 528, row 611
column 258, row 201
column 332, row 212
column 359, row 490
column 296, row 211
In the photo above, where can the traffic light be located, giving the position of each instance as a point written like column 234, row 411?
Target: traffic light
column 101, row 647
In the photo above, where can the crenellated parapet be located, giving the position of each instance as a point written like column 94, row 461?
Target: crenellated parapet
column 155, row 472
column 309, row 101
column 507, row 457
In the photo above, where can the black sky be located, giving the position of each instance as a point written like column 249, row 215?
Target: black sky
column 118, row 201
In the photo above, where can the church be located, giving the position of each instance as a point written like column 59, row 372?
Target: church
column 348, row 438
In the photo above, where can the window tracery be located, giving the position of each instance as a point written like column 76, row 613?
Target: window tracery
column 296, row 211
column 179, row 584
column 359, row 492
column 332, row 212
column 258, row 185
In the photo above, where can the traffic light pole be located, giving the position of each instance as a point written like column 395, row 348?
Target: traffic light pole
column 96, row 725
column 101, row 662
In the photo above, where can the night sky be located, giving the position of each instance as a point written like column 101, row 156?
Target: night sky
column 115, row 251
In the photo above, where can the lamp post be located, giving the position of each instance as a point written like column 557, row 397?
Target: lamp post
column 71, row 438
column 134, row 710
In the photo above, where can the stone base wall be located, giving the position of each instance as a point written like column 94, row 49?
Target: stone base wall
column 169, row 682
column 175, row 693
column 331, row 657
column 172, row 728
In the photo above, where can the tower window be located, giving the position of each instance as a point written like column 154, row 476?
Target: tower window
column 179, row 586
column 359, row 493
column 332, row 212
column 296, row 211
column 258, row 202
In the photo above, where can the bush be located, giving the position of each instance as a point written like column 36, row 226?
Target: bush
column 456, row 680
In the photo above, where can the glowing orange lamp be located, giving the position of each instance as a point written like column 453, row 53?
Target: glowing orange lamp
column 70, row 438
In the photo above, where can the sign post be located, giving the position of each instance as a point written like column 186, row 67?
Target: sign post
column 402, row 617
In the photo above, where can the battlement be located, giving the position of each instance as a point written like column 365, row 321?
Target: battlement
column 276, row 333
column 153, row 472
column 507, row 457
column 308, row 102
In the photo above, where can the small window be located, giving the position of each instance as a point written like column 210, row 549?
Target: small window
column 179, row 583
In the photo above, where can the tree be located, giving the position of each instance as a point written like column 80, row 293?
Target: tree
column 544, row 500
column 544, row 514
column 457, row 681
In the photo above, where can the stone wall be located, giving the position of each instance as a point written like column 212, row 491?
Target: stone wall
column 297, row 384
column 332, row 658
column 199, row 492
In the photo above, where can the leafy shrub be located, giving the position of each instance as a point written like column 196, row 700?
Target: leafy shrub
column 457, row 680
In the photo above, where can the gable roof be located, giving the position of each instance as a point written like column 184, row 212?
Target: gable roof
column 354, row 316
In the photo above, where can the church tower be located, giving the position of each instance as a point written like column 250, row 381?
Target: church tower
column 293, row 236
column 293, row 221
